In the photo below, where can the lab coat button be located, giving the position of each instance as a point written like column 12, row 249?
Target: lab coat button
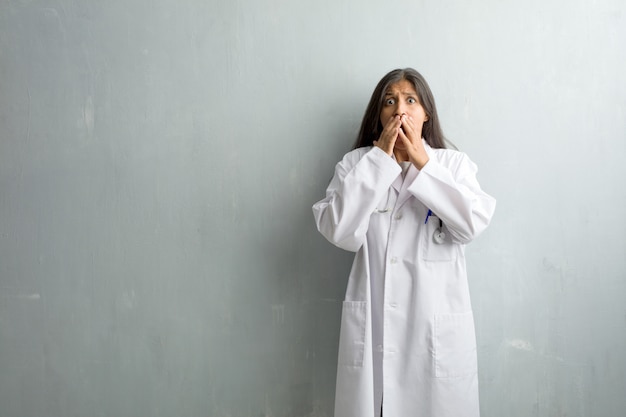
column 393, row 260
column 398, row 216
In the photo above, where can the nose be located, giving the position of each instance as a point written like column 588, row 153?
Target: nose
column 399, row 109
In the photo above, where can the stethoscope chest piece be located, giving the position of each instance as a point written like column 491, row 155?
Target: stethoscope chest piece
column 439, row 236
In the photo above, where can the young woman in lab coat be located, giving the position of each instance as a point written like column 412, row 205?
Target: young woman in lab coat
column 407, row 206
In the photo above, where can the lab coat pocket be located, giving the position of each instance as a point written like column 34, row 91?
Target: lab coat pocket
column 352, row 335
column 455, row 345
column 438, row 247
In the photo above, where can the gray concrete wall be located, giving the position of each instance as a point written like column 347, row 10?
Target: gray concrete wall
column 158, row 162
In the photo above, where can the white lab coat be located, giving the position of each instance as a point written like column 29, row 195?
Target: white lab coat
column 407, row 329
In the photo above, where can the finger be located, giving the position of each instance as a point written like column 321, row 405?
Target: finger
column 394, row 121
column 407, row 124
column 390, row 131
column 386, row 142
column 404, row 138
column 413, row 131
column 389, row 138
column 407, row 133
column 392, row 124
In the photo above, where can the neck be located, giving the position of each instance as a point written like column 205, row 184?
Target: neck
column 401, row 156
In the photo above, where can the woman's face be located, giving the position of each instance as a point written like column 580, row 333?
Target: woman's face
column 401, row 98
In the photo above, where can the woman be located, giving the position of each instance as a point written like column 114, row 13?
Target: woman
column 407, row 206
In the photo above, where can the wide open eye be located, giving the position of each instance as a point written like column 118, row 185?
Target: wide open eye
column 411, row 100
column 390, row 102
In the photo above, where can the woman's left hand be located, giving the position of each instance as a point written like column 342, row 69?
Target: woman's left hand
column 411, row 136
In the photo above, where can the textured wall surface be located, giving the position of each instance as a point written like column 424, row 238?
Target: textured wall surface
column 159, row 160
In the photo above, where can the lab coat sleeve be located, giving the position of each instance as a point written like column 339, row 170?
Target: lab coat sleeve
column 359, row 183
column 453, row 193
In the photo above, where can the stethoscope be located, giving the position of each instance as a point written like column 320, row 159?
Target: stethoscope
column 439, row 236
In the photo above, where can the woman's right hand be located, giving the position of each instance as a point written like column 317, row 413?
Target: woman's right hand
column 389, row 135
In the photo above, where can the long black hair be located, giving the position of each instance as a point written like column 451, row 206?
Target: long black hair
column 371, row 127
